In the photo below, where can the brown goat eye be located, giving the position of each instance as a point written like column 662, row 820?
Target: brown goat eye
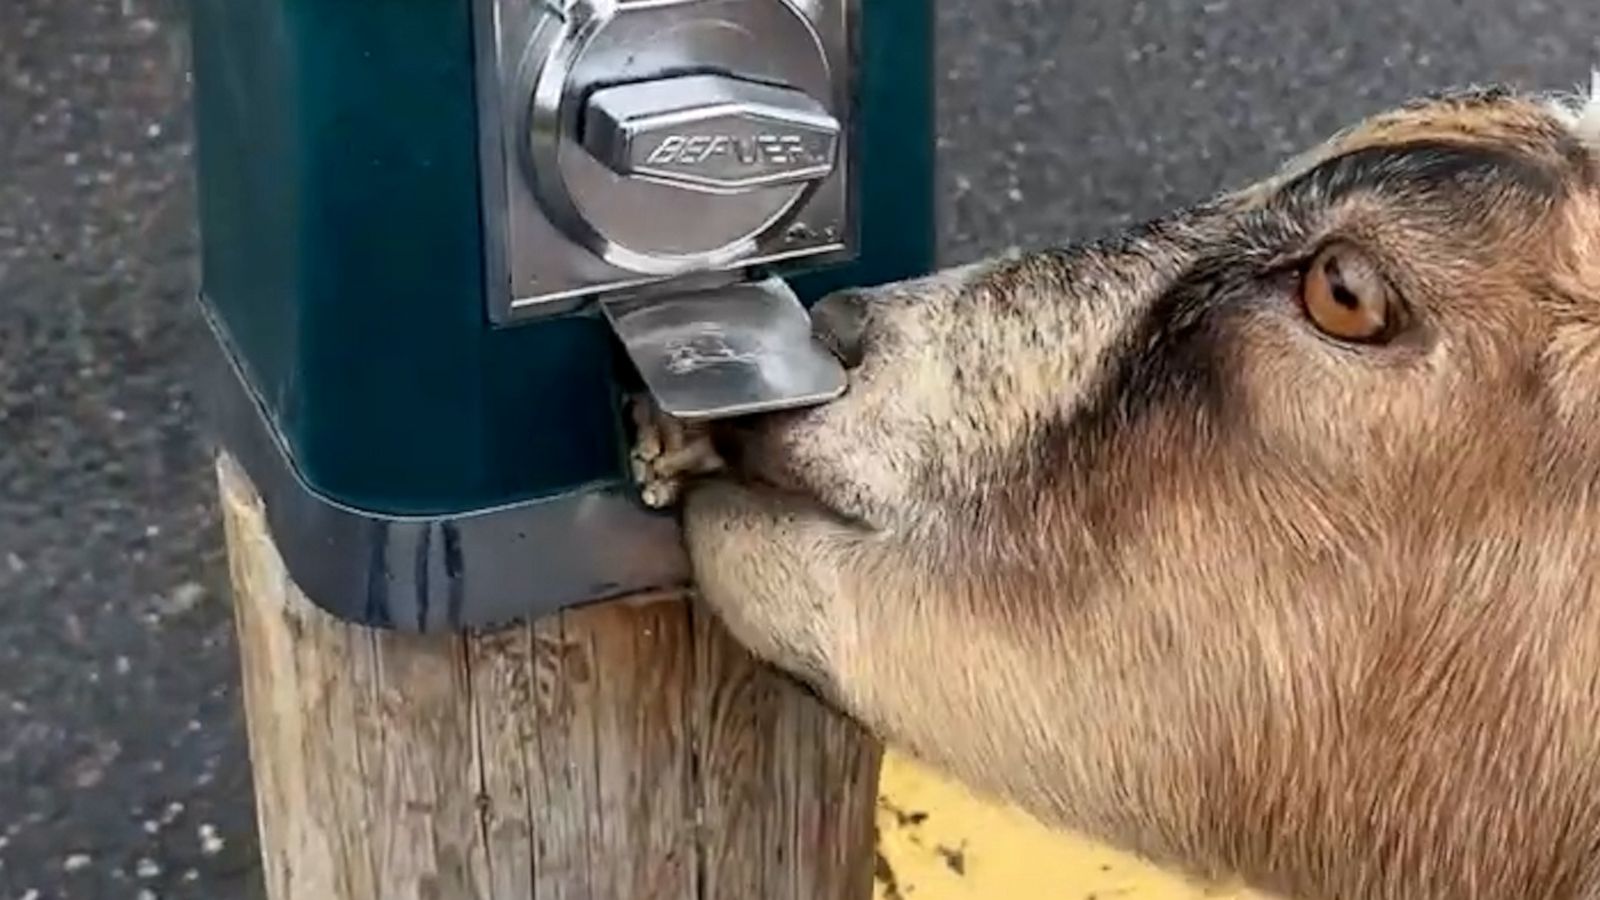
column 1345, row 295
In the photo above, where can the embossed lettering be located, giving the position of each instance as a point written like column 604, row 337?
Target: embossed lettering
column 665, row 151
column 765, row 150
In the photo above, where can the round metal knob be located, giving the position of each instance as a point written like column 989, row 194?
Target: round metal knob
column 668, row 137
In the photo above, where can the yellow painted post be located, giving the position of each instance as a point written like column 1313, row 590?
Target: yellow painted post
column 939, row 841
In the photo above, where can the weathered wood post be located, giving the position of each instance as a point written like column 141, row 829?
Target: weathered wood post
column 625, row 750
column 445, row 241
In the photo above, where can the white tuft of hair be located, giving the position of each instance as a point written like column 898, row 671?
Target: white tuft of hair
column 1581, row 112
column 1589, row 118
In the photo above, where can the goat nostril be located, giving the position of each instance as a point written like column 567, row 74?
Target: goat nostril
column 839, row 320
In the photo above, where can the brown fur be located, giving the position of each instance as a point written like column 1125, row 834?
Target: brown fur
column 1114, row 532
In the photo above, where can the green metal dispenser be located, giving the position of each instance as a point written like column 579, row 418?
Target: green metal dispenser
column 444, row 240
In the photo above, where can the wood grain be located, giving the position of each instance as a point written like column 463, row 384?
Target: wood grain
column 625, row 751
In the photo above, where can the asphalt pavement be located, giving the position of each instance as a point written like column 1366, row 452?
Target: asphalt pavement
column 123, row 771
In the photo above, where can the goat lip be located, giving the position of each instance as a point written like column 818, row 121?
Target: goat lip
column 799, row 499
column 753, row 453
column 773, row 476
column 787, row 482
column 760, row 454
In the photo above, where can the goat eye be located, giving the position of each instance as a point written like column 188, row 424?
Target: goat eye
column 1345, row 295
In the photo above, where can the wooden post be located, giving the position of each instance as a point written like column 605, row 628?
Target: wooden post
column 620, row 752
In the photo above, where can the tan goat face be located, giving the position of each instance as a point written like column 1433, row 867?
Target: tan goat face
column 1335, row 367
column 1219, row 536
column 1381, row 314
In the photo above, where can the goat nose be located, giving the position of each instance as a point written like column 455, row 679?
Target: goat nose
column 839, row 320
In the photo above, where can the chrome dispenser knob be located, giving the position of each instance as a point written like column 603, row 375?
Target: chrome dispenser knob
column 643, row 140
column 711, row 133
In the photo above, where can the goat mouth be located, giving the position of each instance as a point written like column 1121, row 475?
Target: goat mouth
column 752, row 456
column 756, row 455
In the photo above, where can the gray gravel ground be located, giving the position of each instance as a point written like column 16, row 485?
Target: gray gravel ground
column 122, row 766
